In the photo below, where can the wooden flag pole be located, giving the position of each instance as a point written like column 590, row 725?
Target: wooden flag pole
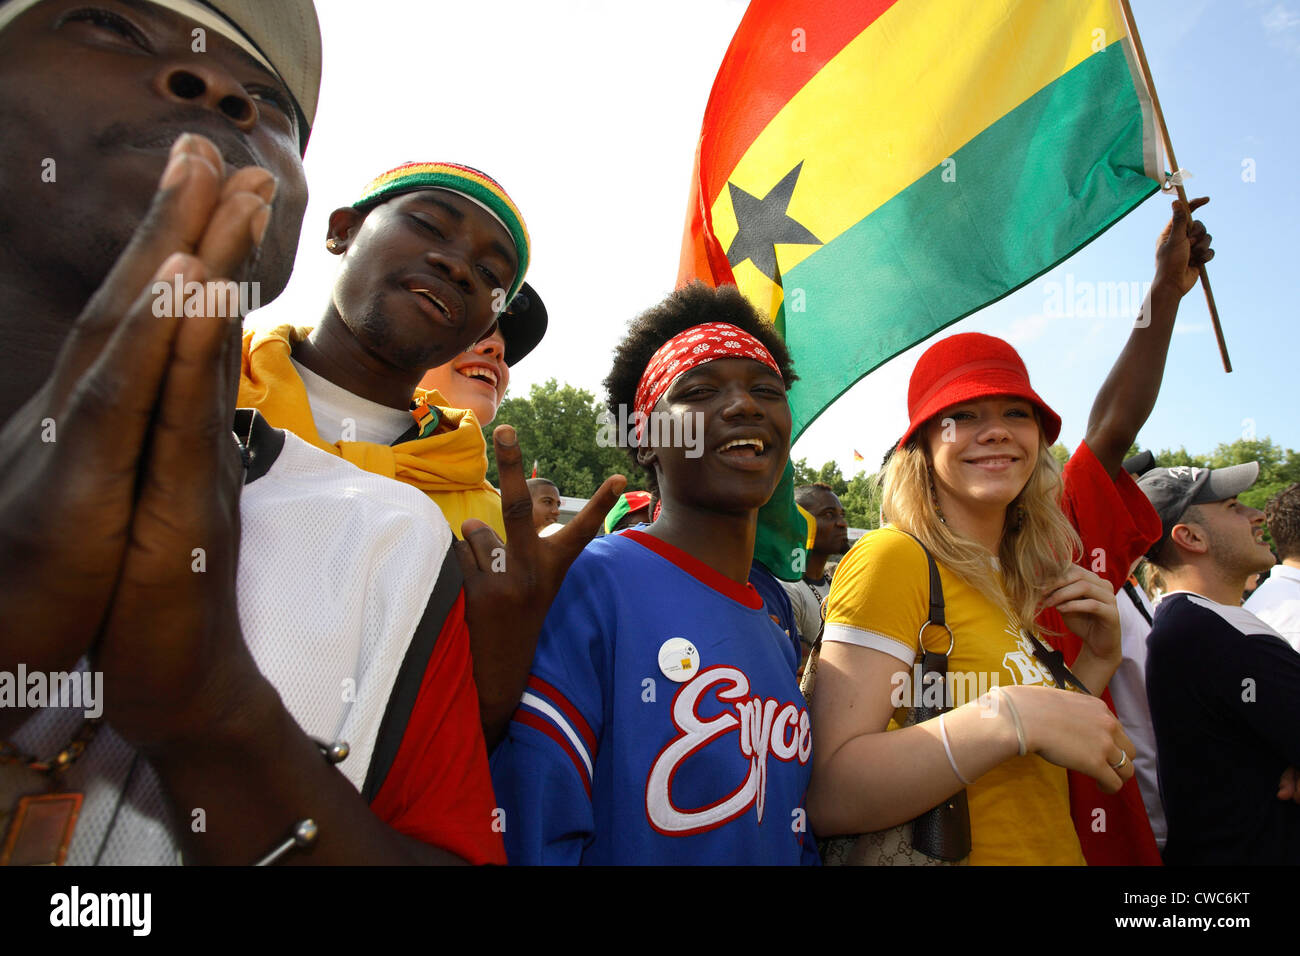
column 1131, row 25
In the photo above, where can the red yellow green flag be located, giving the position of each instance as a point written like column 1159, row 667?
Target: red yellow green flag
column 870, row 172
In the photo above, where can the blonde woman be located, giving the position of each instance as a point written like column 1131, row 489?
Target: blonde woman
column 973, row 480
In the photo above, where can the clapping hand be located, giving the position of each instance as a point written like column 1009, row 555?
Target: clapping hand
column 171, row 650
column 73, row 458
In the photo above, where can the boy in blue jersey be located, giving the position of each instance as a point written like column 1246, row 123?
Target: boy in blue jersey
column 662, row 723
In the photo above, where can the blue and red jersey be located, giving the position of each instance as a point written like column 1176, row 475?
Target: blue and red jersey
column 662, row 723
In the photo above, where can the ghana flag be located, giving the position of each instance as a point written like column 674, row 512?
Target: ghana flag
column 869, row 172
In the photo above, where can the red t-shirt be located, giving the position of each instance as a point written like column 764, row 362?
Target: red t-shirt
column 438, row 789
column 1117, row 525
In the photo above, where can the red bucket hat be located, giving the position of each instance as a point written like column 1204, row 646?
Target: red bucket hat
column 967, row 367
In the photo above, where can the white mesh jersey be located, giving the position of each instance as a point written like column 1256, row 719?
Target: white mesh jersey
column 337, row 567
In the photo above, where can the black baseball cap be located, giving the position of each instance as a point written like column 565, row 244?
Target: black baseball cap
column 1139, row 464
column 522, row 324
column 1173, row 490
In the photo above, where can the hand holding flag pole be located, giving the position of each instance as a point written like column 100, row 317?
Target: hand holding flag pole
column 1131, row 25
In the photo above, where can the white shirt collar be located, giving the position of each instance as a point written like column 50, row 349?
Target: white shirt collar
column 1237, row 617
column 1284, row 571
column 332, row 406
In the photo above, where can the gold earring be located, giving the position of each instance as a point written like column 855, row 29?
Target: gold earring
column 332, row 245
column 934, row 497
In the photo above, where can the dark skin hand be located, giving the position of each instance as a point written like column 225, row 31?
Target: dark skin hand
column 1129, row 393
column 505, row 605
column 180, row 683
column 66, row 506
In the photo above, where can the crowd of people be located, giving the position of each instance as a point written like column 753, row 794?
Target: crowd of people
column 325, row 637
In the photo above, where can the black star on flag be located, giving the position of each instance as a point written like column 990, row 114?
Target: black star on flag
column 763, row 223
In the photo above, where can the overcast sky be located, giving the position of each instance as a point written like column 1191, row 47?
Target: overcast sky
column 588, row 114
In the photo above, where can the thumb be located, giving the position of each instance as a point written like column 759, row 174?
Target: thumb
column 1179, row 222
column 590, row 520
column 465, row 556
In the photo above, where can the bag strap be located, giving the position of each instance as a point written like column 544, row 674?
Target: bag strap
column 937, row 614
column 933, row 662
column 1055, row 662
column 821, row 612
column 1131, row 591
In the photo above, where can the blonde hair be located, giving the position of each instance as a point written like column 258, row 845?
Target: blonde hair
column 1037, row 545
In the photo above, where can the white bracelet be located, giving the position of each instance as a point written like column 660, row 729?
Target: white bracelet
column 943, row 732
column 1015, row 716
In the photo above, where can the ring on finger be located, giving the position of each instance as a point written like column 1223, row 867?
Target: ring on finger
column 1123, row 759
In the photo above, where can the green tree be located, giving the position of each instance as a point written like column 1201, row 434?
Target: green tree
column 1278, row 467
column 829, row 474
column 1172, row 459
column 1060, row 453
column 803, row 475
column 558, row 427
column 861, row 500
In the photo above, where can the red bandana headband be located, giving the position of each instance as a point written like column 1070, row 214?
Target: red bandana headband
column 691, row 349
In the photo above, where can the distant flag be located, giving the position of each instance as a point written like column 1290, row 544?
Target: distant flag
column 857, row 455
column 869, row 173
column 534, row 474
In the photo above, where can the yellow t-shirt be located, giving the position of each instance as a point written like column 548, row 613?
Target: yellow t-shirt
column 1020, row 810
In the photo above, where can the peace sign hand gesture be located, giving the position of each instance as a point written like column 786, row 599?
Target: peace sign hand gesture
column 509, row 588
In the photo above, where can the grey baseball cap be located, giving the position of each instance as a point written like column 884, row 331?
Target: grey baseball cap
column 282, row 34
column 1173, row 490
column 287, row 34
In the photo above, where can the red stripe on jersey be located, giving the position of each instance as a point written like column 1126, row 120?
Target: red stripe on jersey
column 529, row 719
column 438, row 789
column 743, row 594
column 574, row 715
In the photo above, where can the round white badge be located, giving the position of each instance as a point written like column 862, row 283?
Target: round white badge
column 678, row 659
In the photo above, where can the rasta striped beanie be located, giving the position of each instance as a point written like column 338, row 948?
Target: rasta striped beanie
column 468, row 182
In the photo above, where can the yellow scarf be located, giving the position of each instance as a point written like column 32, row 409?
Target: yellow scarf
column 450, row 466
